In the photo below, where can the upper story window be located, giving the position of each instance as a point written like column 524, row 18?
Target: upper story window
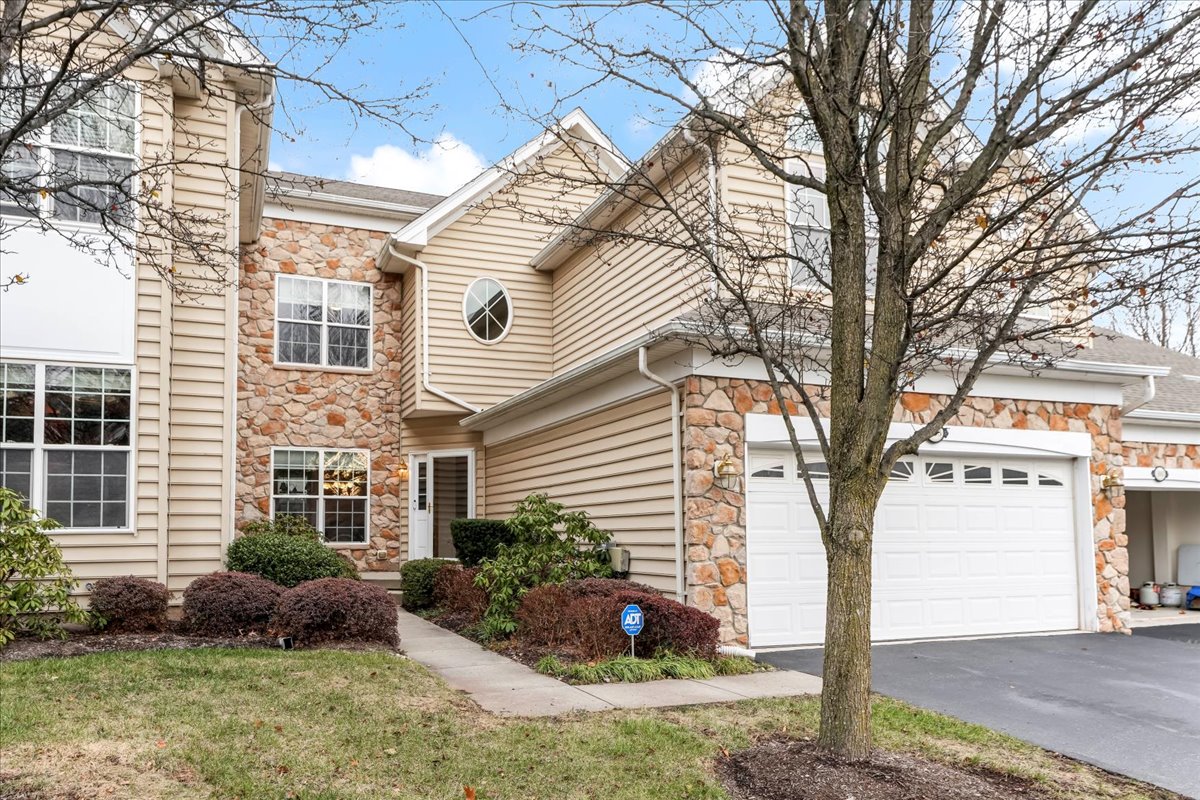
column 65, row 441
column 487, row 310
column 323, row 323
column 83, row 160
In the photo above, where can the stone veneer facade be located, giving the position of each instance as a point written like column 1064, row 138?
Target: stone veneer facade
column 316, row 407
column 715, row 515
column 1153, row 454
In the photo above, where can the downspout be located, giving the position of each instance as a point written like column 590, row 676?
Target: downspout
column 426, row 380
column 676, row 472
column 1149, row 390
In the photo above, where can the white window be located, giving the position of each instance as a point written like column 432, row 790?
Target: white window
column 770, row 466
column 323, row 323
column 65, row 434
column 91, row 144
column 902, row 471
column 329, row 488
column 939, row 471
column 487, row 310
column 809, row 223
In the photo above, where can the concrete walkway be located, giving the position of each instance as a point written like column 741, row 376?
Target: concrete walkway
column 503, row 686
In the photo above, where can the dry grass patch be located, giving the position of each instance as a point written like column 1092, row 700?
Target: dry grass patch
column 322, row 725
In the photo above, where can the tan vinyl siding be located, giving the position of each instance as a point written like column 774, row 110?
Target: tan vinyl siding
column 607, row 294
column 201, row 378
column 497, row 239
column 615, row 464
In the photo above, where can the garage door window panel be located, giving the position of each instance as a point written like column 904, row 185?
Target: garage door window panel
column 977, row 474
column 939, row 472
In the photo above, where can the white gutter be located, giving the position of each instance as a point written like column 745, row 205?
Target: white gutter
column 1165, row 417
column 1148, row 393
column 676, row 472
column 426, row 380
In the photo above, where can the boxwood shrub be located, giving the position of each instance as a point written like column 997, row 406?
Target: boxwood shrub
column 336, row 610
column 229, row 604
column 129, row 605
column 479, row 539
column 286, row 559
column 417, row 580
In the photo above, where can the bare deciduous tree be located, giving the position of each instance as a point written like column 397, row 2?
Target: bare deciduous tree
column 77, row 75
column 963, row 194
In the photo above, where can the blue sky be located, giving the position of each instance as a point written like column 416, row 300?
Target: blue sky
column 462, row 103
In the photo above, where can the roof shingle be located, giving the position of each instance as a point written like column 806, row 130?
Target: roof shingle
column 1177, row 392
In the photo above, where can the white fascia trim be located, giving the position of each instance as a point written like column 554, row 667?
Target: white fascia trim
column 415, row 236
column 960, row 439
column 306, row 198
column 612, row 392
column 1165, row 417
column 1134, row 431
column 331, row 214
column 1142, row 478
column 511, row 407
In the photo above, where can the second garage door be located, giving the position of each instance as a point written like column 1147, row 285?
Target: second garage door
column 963, row 546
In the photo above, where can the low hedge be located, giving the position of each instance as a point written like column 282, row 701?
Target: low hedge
column 456, row 595
column 286, row 558
column 336, row 610
column 416, row 582
column 229, row 604
column 129, row 605
column 582, row 617
column 476, row 540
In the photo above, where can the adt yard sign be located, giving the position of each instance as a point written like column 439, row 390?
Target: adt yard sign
column 632, row 622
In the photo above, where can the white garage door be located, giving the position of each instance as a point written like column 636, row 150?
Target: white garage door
column 963, row 546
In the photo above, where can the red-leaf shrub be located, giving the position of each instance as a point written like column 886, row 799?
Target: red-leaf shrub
column 461, row 602
column 337, row 610
column 229, row 604
column 673, row 626
column 606, row 587
column 544, row 618
column 130, row 605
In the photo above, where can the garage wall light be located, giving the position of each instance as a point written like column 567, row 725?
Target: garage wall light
column 1112, row 480
column 1159, row 474
column 725, row 468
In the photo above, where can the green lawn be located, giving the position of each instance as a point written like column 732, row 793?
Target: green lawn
column 268, row 724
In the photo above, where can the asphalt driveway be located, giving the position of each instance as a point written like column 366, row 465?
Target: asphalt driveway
column 1128, row 704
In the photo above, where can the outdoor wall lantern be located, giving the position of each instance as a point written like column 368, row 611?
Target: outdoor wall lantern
column 1112, row 480
column 402, row 471
column 1159, row 474
column 725, row 468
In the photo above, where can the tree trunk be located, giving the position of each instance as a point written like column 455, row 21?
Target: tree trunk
column 846, row 682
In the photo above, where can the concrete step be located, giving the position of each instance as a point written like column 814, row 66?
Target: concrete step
column 388, row 580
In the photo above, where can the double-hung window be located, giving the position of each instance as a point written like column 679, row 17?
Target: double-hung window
column 65, row 434
column 329, row 488
column 322, row 323
column 82, row 161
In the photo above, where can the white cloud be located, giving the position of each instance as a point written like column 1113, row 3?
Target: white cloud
column 445, row 165
column 274, row 166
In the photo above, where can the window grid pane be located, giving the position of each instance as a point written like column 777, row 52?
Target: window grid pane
column 331, row 316
column 16, row 471
column 87, row 406
column 328, row 488
column 17, row 402
column 87, row 488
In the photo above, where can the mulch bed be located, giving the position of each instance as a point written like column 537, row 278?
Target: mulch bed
column 796, row 770
column 83, row 642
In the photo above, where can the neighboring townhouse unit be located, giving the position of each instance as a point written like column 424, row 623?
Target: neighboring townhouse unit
column 118, row 393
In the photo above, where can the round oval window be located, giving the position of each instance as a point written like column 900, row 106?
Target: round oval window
column 487, row 310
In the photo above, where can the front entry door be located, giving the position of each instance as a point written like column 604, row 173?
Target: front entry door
column 441, row 489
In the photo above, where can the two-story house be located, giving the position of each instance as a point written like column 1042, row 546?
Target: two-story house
column 409, row 359
column 388, row 361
